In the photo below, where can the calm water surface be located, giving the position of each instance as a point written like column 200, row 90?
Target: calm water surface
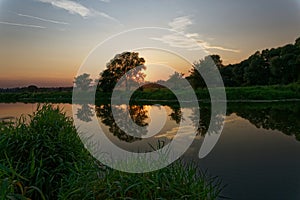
column 257, row 156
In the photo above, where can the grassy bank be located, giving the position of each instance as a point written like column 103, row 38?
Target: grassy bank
column 276, row 92
column 45, row 159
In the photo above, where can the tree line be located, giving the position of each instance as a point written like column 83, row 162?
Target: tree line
column 269, row 67
column 276, row 66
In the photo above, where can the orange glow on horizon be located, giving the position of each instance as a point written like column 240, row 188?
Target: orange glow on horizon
column 155, row 59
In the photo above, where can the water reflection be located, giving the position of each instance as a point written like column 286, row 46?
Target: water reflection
column 85, row 113
column 203, row 121
column 282, row 117
column 176, row 114
column 138, row 114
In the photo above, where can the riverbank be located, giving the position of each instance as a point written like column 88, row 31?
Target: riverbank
column 45, row 159
column 234, row 94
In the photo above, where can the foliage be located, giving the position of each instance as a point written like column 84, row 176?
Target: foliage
column 126, row 63
column 206, row 67
column 269, row 67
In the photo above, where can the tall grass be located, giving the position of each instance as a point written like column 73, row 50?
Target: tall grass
column 40, row 154
column 45, row 159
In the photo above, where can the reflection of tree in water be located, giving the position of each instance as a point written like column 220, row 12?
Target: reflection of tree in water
column 204, row 120
column 176, row 114
column 85, row 113
column 138, row 115
column 284, row 118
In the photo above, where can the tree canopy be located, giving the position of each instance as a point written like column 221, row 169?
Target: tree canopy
column 269, row 67
column 207, row 67
column 126, row 63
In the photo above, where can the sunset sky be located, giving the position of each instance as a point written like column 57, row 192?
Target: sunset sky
column 44, row 42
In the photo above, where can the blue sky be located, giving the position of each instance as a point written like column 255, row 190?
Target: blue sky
column 44, row 42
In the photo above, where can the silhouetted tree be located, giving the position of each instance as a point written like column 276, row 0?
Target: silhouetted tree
column 275, row 66
column 207, row 68
column 119, row 66
column 258, row 71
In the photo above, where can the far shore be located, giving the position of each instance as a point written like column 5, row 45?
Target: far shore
column 275, row 93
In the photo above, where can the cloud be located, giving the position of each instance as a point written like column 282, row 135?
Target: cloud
column 76, row 8
column 22, row 25
column 206, row 45
column 108, row 17
column 177, row 40
column 70, row 6
column 183, row 39
column 42, row 19
column 180, row 23
column 106, row 1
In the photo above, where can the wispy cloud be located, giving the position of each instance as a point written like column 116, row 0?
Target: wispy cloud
column 183, row 39
column 180, row 23
column 70, row 6
column 106, row 1
column 107, row 16
column 76, row 8
column 22, row 25
column 206, row 45
column 42, row 19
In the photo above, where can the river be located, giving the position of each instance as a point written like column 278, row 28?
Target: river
column 257, row 155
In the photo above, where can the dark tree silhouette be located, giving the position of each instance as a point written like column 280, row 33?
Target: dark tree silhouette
column 119, row 66
column 207, row 68
column 257, row 71
column 275, row 66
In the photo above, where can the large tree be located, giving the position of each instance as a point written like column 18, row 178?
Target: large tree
column 258, row 70
column 207, row 68
column 119, row 66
